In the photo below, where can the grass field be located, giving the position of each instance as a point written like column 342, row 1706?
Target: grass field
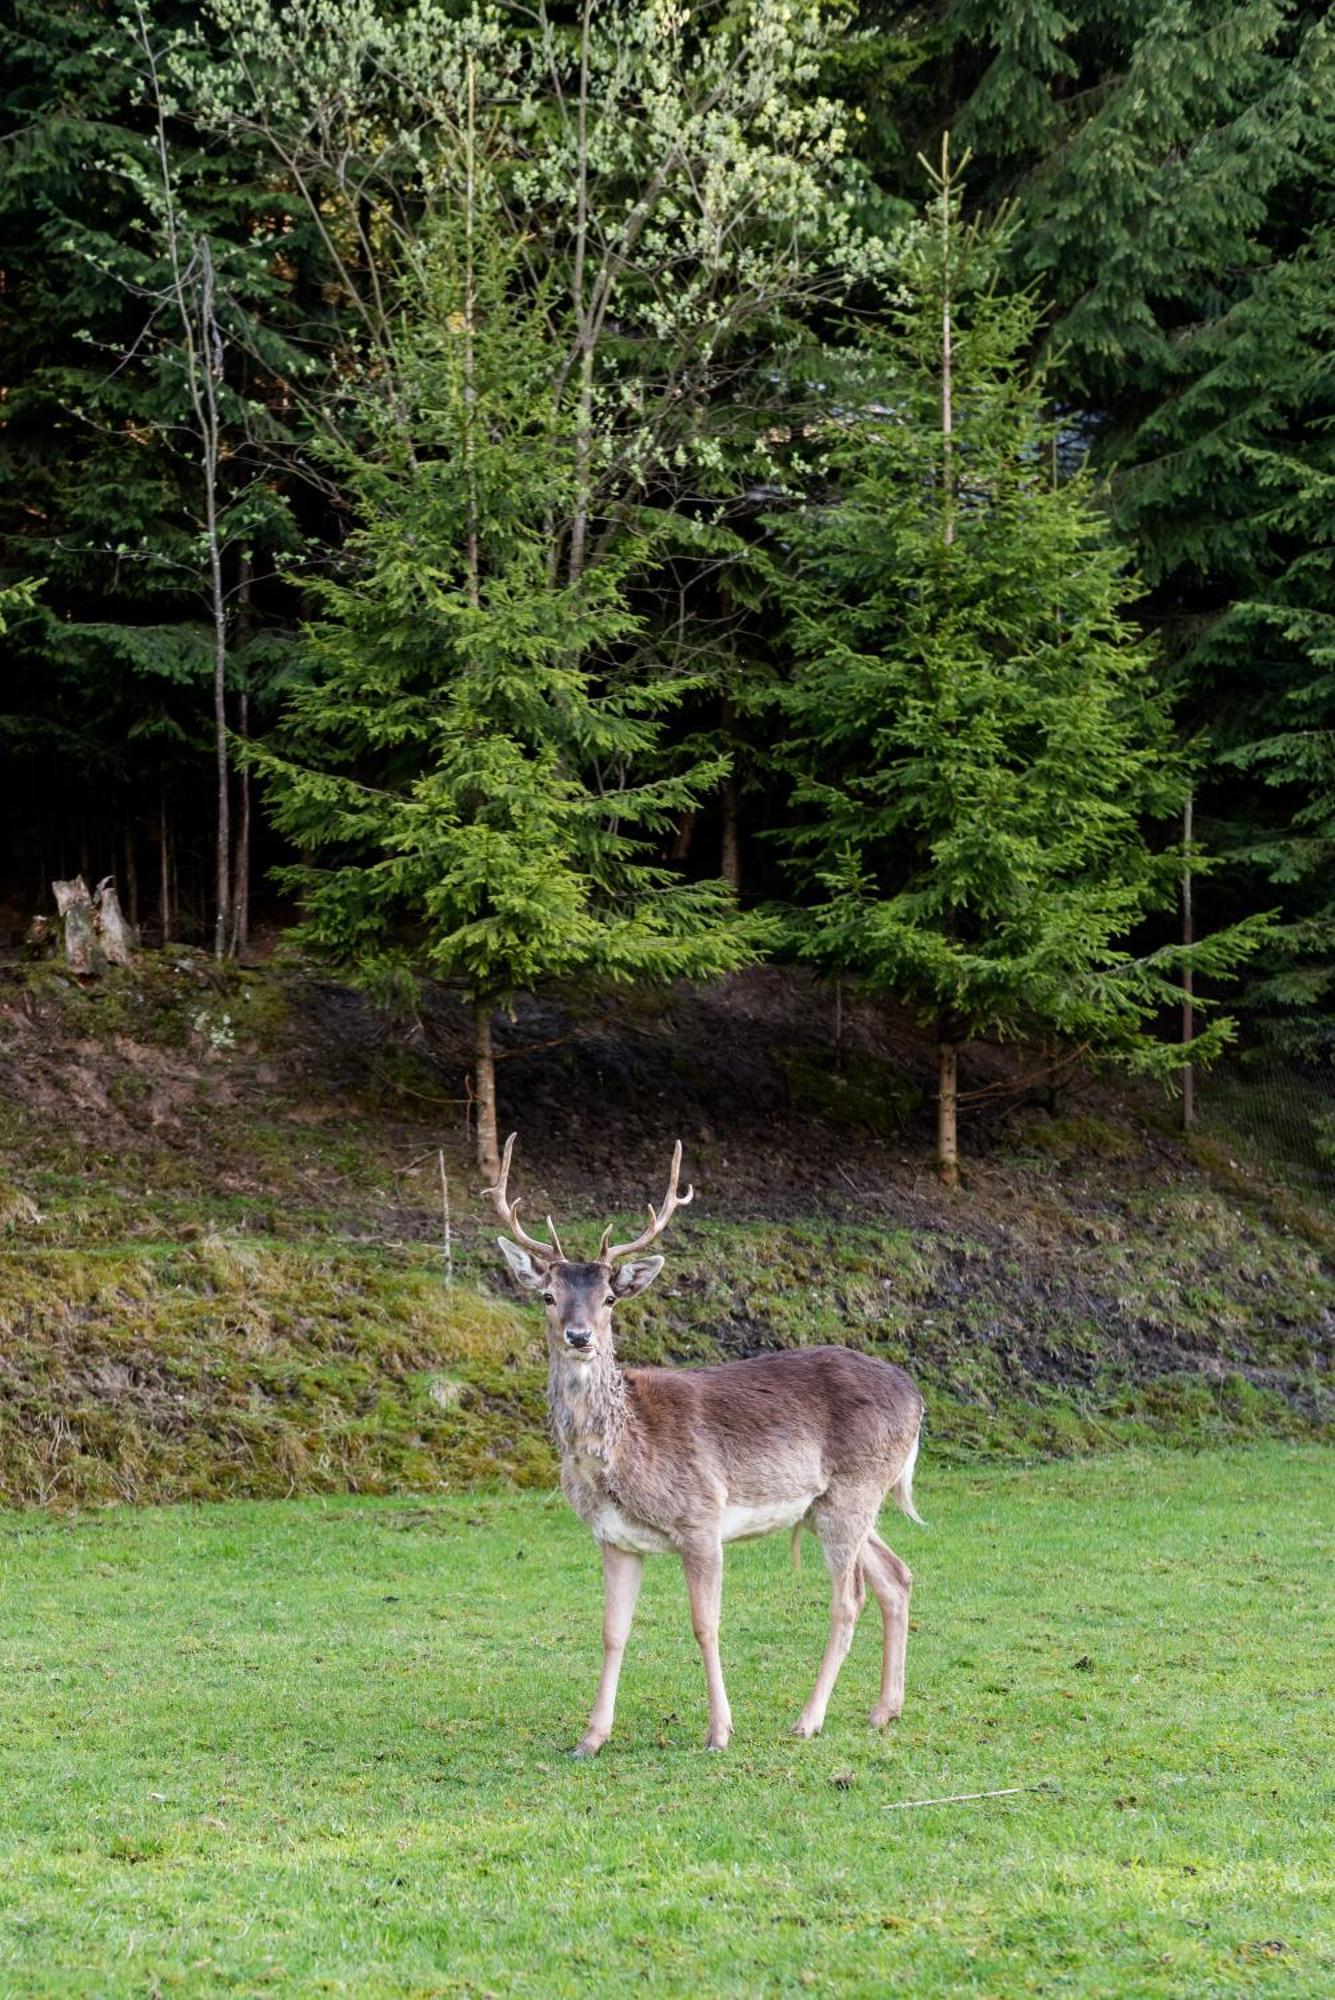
column 316, row 1747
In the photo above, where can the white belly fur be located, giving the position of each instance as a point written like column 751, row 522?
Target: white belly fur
column 741, row 1524
column 738, row 1524
column 611, row 1525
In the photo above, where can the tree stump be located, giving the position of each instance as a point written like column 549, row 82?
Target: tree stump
column 83, row 953
column 109, row 921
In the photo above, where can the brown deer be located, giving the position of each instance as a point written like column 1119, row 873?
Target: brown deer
column 682, row 1460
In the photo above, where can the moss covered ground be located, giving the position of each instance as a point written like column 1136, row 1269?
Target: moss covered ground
column 222, row 1273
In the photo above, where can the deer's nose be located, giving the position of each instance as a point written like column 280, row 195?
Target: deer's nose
column 578, row 1336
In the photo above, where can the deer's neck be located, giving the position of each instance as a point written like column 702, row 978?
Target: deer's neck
column 589, row 1407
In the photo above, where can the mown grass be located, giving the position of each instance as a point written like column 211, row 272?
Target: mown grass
column 316, row 1747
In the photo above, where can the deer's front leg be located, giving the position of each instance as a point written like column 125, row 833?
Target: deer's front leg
column 622, row 1573
column 704, row 1583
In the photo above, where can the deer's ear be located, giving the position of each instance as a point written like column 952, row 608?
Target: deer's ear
column 529, row 1273
column 636, row 1276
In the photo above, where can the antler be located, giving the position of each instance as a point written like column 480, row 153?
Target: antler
column 509, row 1211
column 658, row 1217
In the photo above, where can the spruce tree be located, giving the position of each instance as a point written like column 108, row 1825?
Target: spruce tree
column 100, row 488
column 475, row 762
column 972, row 718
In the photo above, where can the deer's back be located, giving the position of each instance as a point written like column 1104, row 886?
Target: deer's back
column 830, row 1408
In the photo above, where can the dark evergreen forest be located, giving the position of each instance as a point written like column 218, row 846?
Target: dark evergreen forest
column 582, row 494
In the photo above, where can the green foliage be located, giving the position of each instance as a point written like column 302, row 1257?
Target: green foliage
column 685, row 201
column 475, row 755
column 106, row 703
column 1151, row 149
column 1169, row 168
column 1237, row 490
column 976, row 734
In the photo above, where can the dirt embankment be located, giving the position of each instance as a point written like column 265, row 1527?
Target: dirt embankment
column 220, row 1266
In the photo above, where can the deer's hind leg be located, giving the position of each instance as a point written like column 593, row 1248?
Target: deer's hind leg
column 891, row 1580
column 843, row 1521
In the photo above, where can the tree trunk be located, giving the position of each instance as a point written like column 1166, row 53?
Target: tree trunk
column 484, row 1083
column 685, row 834
column 212, row 343
column 947, row 1109
column 730, row 850
column 164, row 872
column 241, row 858
column 241, row 864
column 132, row 879
column 1188, row 982
column 947, row 356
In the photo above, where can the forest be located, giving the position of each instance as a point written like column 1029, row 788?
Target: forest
column 533, row 498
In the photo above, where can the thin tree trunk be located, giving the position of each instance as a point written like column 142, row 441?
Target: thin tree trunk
column 192, row 286
column 210, row 342
column 1188, row 980
column 730, row 845
column 241, row 863
column 484, row 1069
column 947, row 1110
column 947, row 1096
column 164, row 870
column 947, row 356
column 730, row 850
column 131, row 879
column 684, row 836
column 472, row 540
column 584, row 316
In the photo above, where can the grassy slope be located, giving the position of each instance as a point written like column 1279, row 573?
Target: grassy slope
column 315, row 1747
column 219, row 1238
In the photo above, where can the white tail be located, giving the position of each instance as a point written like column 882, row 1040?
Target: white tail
column 683, row 1460
column 903, row 1486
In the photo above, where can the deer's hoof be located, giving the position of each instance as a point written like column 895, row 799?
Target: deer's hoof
column 805, row 1729
column 881, row 1717
column 586, row 1749
column 719, row 1742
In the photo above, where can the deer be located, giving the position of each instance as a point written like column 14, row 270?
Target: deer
column 682, row 1461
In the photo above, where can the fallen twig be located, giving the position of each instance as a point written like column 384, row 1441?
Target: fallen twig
column 961, row 1798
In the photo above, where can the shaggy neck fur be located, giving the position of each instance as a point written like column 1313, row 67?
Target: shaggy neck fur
column 588, row 1404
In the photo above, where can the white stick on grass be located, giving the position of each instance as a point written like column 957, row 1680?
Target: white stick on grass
column 961, row 1798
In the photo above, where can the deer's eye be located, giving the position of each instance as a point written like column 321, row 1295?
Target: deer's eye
column 549, row 1298
column 611, row 1299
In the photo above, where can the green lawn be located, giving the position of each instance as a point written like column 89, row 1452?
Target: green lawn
column 315, row 1747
